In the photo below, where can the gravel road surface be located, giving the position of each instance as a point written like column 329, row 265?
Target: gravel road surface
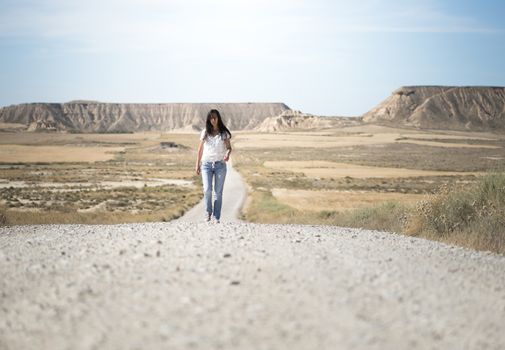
column 243, row 286
column 192, row 285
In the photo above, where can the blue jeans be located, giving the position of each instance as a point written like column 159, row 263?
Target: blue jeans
column 218, row 171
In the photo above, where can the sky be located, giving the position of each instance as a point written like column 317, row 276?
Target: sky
column 332, row 58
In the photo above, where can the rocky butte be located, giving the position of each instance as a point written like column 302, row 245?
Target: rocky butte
column 442, row 107
column 465, row 108
column 91, row 116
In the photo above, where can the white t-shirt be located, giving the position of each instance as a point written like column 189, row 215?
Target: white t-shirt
column 214, row 148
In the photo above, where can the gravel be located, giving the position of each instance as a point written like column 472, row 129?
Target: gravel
column 193, row 285
column 186, row 285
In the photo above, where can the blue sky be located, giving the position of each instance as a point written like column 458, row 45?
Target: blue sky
column 317, row 56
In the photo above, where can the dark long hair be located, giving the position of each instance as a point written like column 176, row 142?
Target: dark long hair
column 222, row 128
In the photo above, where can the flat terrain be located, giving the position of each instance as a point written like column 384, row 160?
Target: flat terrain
column 114, row 178
column 45, row 154
column 96, row 178
column 330, row 171
column 338, row 170
column 308, row 200
column 243, row 286
column 185, row 284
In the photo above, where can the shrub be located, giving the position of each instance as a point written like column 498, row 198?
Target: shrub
column 472, row 216
column 3, row 215
column 389, row 216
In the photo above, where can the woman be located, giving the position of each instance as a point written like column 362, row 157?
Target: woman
column 213, row 153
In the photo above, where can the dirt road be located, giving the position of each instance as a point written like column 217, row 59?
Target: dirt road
column 191, row 285
column 243, row 286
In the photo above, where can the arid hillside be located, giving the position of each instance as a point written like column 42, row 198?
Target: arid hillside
column 442, row 107
column 423, row 107
column 91, row 116
column 295, row 120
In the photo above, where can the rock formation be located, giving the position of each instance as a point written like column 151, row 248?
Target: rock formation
column 442, row 107
column 91, row 116
column 292, row 119
column 426, row 107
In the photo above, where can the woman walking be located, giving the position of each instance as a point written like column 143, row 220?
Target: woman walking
column 213, row 153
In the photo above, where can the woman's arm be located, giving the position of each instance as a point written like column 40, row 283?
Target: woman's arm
column 228, row 147
column 199, row 157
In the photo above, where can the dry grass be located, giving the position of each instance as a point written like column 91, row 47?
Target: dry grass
column 12, row 126
column 87, row 185
column 15, row 217
column 316, row 178
column 338, row 170
column 3, row 215
column 426, row 133
column 298, row 140
column 60, row 154
column 444, row 144
column 263, row 207
column 361, row 136
column 470, row 216
column 339, row 201
column 45, row 139
column 370, row 168
column 450, row 136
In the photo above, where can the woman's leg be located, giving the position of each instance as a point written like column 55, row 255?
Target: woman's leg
column 207, row 171
column 220, row 175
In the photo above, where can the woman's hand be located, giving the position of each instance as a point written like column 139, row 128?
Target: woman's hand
column 199, row 157
column 228, row 149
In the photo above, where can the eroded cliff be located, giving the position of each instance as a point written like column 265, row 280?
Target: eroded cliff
column 85, row 116
column 443, row 107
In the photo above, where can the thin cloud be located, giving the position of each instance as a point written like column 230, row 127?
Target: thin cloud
column 372, row 16
column 417, row 29
column 235, row 28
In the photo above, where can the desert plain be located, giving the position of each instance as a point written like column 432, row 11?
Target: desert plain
column 296, row 176
column 311, row 284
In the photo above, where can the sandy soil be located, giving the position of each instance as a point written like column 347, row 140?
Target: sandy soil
column 49, row 154
column 41, row 139
column 364, row 136
column 12, row 126
column 371, row 128
column 295, row 140
column 339, row 170
column 447, row 144
column 340, row 200
column 449, row 135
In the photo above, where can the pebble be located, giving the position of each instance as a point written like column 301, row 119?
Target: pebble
column 324, row 287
